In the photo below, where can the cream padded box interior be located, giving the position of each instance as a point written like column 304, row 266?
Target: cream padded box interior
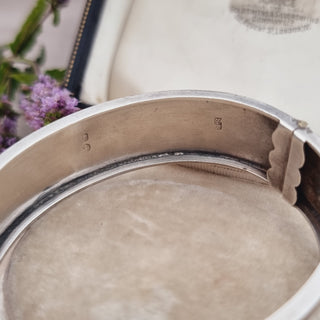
column 267, row 50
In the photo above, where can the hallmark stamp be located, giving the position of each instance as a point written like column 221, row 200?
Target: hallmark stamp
column 85, row 137
column 218, row 123
column 86, row 147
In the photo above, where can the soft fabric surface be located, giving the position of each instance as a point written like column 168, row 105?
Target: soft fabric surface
column 267, row 50
column 162, row 243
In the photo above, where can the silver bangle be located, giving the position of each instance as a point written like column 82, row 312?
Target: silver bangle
column 167, row 127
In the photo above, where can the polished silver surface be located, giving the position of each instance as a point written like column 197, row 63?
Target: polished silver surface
column 197, row 127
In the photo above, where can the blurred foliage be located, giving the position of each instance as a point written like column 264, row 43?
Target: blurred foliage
column 17, row 71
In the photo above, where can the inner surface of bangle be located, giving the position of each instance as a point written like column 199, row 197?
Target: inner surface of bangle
column 209, row 162
column 166, row 242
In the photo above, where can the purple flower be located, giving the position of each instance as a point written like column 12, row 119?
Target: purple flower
column 4, row 99
column 9, row 141
column 6, row 142
column 7, row 133
column 47, row 102
column 8, row 125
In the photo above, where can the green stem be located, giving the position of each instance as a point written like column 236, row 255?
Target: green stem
column 45, row 16
column 27, row 62
column 30, row 28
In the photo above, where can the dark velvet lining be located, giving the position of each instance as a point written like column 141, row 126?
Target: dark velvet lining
column 82, row 47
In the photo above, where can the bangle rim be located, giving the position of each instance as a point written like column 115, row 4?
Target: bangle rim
column 308, row 297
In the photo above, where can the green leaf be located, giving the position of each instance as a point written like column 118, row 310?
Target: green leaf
column 57, row 74
column 24, row 77
column 41, row 57
column 2, row 89
column 2, row 49
column 30, row 29
column 4, row 69
column 29, row 70
column 13, row 86
column 4, row 76
column 56, row 16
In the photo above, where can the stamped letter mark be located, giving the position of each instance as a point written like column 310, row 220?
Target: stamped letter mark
column 218, row 123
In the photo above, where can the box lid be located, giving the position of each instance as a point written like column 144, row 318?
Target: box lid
column 92, row 57
column 263, row 49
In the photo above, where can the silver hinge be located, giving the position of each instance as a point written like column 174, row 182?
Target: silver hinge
column 286, row 159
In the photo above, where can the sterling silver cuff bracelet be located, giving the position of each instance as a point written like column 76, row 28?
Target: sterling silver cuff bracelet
column 168, row 127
